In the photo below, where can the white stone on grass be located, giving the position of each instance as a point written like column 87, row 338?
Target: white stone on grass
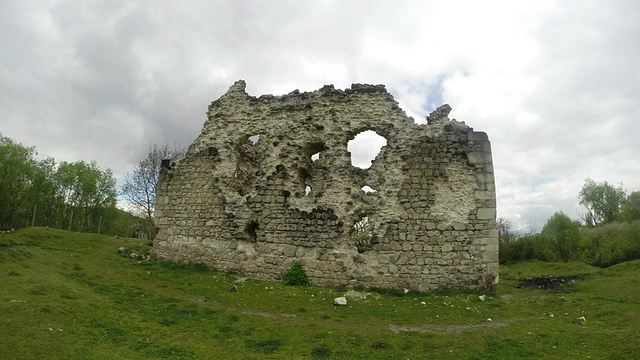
column 341, row 301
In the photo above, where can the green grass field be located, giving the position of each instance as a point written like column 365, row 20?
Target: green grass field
column 69, row 295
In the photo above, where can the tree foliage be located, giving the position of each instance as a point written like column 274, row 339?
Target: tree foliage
column 76, row 196
column 563, row 235
column 17, row 165
column 630, row 209
column 139, row 187
column 83, row 191
column 611, row 244
column 602, row 201
column 526, row 248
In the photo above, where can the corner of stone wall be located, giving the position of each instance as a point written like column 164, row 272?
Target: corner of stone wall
column 486, row 200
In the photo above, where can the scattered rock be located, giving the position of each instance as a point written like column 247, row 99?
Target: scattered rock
column 122, row 249
column 134, row 255
column 482, row 297
column 233, row 289
column 489, row 320
column 341, row 301
column 581, row 320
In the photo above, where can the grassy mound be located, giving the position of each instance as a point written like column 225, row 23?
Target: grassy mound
column 68, row 295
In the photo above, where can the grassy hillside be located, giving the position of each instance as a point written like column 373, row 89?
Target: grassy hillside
column 68, row 295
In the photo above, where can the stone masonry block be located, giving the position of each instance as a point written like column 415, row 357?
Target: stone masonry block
column 479, row 157
column 485, row 195
column 478, row 136
column 486, row 213
column 490, row 256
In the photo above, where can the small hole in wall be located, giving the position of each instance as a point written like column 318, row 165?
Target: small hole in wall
column 251, row 230
column 307, row 190
column 315, row 156
column 365, row 147
column 254, row 139
column 212, row 151
column 367, row 189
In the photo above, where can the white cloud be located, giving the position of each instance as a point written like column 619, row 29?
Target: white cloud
column 552, row 83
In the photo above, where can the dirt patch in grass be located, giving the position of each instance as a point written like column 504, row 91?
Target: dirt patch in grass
column 554, row 283
column 447, row 329
column 269, row 315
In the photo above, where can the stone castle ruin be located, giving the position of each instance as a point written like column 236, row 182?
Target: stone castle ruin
column 270, row 181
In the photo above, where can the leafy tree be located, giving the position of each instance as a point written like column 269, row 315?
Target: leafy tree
column 17, row 165
column 84, row 190
column 42, row 194
column 563, row 235
column 602, row 200
column 139, row 187
column 66, row 195
column 631, row 207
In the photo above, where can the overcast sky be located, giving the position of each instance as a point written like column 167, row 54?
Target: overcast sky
column 555, row 84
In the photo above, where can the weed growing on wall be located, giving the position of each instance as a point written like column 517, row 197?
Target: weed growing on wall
column 296, row 276
column 362, row 235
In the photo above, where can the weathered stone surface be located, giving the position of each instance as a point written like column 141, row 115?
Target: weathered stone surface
column 269, row 181
column 487, row 213
column 340, row 301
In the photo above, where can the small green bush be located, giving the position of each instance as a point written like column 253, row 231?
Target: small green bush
column 611, row 244
column 526, row 248
column 296, row 276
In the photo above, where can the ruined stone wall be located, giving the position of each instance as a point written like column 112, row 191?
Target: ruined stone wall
column 248, row 197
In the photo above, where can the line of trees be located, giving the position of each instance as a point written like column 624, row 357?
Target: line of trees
column 609, row 235
column 77, row 196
